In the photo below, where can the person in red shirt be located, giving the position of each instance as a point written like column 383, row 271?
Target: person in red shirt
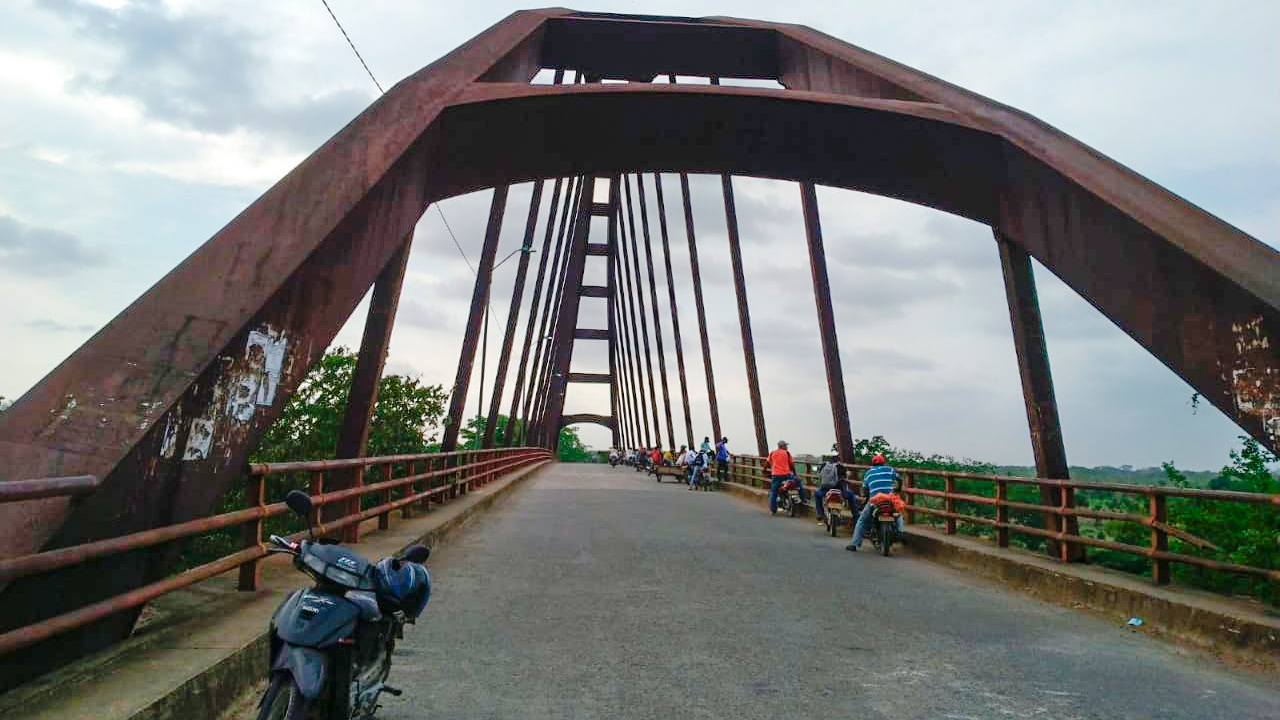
column 781, row 468
column 655, row 455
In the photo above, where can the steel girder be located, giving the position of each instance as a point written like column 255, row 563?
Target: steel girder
column 165, row 402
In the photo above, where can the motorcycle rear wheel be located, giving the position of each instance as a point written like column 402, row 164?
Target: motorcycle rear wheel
column 886, row 537
column 283, row 700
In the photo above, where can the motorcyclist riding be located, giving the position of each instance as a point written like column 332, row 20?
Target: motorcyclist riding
column 833, row 478
column 782, row 467
column 880, row 478
column 697, row 464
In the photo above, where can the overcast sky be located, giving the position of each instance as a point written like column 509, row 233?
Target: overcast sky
column 132, row 131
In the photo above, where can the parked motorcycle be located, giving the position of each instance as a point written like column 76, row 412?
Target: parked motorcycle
column 883, row 526
column 838, row 511
column 330, row 647
column 789, row 498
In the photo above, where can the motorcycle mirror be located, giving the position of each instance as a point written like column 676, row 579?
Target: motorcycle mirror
column 299, row 502
column 417, row 554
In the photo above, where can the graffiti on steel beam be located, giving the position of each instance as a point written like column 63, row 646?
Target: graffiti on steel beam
column 1254, row 379
column 246, row 383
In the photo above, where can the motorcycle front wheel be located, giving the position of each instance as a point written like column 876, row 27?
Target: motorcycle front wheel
column 283, row 700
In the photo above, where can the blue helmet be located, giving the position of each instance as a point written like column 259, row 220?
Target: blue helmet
column 402, row 585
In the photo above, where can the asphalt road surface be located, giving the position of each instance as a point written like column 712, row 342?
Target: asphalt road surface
column 595, row 592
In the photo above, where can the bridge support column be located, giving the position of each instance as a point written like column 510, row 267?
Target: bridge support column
column 1037, row 392
column 513, row 317
column 698, row 305
column 354, row 433
column 744, row 316
column 653, row 302
column 567, row 317
column 479, row 298
column 675, row 316
column 826, row 322
column 538, row 371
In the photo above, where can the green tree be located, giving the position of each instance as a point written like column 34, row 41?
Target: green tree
column 471, row 434
column 405, row 417
column 1245, row 534
column 571, row 447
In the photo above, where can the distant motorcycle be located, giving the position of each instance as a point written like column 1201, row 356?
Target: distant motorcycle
column 883, row 526
column 702, row 478
column 613, row 460
column 789, row 498
column 330, row 646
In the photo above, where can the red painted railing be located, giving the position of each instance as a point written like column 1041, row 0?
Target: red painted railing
column 749, row 470
column 437, row 477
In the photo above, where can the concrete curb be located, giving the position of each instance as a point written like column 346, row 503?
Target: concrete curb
column 228, row 673
column 1238, row 632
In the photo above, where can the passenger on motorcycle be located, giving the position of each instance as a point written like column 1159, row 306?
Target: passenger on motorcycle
column 781, row 468
column 833, row 478
column 880, row 478
column 655, row 455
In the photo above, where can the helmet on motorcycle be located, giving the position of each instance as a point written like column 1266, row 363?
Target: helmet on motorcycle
column 402, row 585
column 878, row 459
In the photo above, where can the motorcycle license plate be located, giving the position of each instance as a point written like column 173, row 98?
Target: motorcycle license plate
column 887, row 518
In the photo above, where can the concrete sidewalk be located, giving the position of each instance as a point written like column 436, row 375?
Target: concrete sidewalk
column 1239, row 631
column 202, row 647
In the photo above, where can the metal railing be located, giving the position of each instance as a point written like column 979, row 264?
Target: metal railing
column 18, row 490
column 428, row 477
column 749, row 470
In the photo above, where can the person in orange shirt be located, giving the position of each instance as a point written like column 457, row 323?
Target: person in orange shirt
column 781, row 468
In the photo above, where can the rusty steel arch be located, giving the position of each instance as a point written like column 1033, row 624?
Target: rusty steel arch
column 164, row 404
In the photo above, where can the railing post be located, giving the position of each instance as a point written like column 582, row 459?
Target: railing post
column 908, row 482
column 384, row 497
column 251, row 533
column 1002, row 513
column 949, row 503
column 410, row 490
column 1159, row 539
column 1067, row 551
column 425, row 504
column 452, row 462
column 314, row 489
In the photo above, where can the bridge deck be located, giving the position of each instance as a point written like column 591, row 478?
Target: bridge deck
column 595, row 592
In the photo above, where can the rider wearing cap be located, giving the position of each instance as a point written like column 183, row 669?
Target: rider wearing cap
column 879, row 478
column 781, row 468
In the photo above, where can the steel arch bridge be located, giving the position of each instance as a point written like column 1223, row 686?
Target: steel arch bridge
column 163, row 405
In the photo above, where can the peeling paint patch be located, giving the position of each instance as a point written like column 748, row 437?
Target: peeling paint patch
column 199, row 439
column 256, row 385
column 65, row 413
column 169, row 444
column 1255, row 376
column 200, row 432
